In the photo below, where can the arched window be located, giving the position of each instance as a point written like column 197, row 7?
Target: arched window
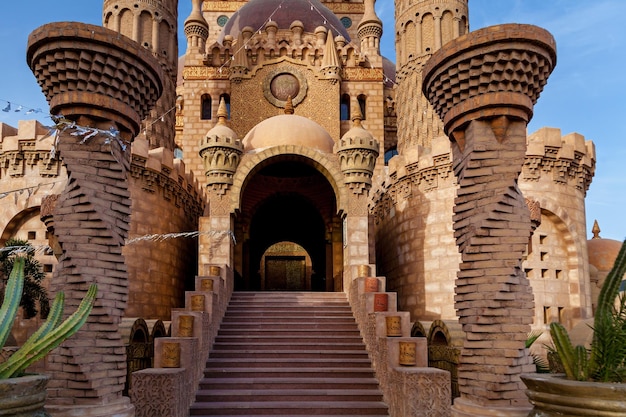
column 362, row 105
column 344, row 109
column 226, row 98
column 390, row 154
column 207, row 107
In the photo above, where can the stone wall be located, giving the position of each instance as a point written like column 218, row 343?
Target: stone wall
column 556, row 174
column 165, row 199
column 415, row 249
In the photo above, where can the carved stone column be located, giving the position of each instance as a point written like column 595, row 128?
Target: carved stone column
column 107, row 83
column 484, row 85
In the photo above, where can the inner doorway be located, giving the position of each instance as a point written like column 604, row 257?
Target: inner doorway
column 286, row 266
column 291, row 235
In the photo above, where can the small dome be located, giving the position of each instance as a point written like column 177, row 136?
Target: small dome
column 603, row 252
column 288, row 129
column 256, row 12
column 221, row 131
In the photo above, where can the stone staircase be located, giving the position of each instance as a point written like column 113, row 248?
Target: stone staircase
column 289, row 354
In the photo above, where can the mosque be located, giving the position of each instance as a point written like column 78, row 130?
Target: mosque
column 287, row 149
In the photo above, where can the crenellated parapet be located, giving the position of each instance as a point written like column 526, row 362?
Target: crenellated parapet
column 566, row 160
column 26, row 151
column 159, row 172
column 420, row 170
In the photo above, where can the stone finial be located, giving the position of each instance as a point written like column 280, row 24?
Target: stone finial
column 357, row 152
column 596, row 230
column 331, row 64
column 289, row 106
column 221, row 152
column 239, row 65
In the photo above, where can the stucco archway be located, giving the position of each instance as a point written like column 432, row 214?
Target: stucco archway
column 288, row 197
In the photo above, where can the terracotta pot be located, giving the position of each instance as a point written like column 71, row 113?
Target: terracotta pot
column 552, row 395
column 371, row 284
column 408, row 353
column 24, row 396
column 381, row 302
column 394, row 326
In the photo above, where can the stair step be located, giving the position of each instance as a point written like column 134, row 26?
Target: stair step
column 285, row 362
column 288, row 383
column 289, row 354
column 292, row 408
column 301, row 394
column 287, row 372
column 269, row 345
column 312, row 354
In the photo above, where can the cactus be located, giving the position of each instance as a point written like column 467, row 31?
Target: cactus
column 12, row 296
column 606, row 360
column 50, row 335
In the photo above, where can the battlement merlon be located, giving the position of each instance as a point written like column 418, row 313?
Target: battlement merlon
column 161, row 160
column 30, row 134
column 548, row 141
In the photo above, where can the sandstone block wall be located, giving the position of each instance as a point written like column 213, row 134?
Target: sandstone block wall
column 165, row 199
column 415, row 246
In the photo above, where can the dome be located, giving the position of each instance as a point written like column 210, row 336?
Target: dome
column 603, row 252
column 288, row 129
column 389, row 69
column 311, row 13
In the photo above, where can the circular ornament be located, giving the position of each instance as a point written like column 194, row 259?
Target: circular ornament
column 281, row 84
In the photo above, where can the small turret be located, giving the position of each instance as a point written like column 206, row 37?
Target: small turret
column 221, row 152
column 358, row 151
column 370, row 31
column 196, row 29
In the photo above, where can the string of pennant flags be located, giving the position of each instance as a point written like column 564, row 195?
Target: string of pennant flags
column 47, row 250
column 18, row 108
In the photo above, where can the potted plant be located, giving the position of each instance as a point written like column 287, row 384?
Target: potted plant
column 21, row 394
column 593, row 384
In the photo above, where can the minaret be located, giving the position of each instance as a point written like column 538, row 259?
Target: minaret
column 196, row 31
column 370, row 31
column 422, row 27
column 154, row 25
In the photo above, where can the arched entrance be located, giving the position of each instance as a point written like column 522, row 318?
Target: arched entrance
column 290, row 227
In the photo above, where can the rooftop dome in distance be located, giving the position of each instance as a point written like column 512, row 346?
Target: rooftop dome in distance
column 389, row 69
column 288, row 129
column 256, row 13
column 602, row 252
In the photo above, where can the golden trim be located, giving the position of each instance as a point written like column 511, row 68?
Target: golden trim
column 204, row 73
column 222, row 6
column 362, row 74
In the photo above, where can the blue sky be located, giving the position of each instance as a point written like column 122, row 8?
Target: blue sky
column 584, row 94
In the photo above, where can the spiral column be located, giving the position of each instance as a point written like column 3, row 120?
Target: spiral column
column 107, row 83
column 484, row 85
